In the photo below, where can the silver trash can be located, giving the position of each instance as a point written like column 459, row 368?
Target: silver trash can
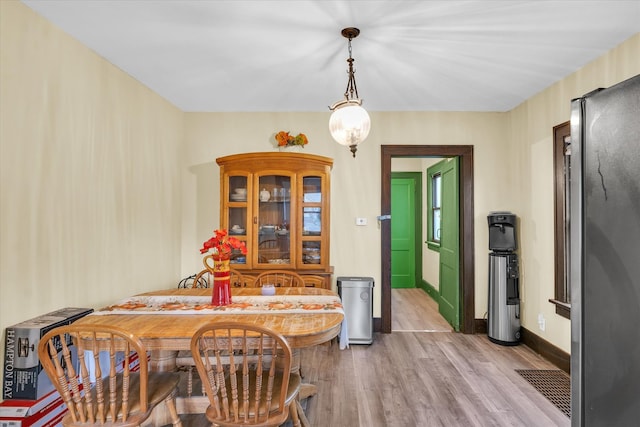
column 357, row 300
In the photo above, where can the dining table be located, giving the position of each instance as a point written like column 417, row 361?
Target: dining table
column 165, row 321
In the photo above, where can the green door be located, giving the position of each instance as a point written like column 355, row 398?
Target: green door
column 405, row 199
column 449, row 241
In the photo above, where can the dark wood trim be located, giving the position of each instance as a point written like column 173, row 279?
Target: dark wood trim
column 545, row 349
column 562, row 308
column 560, row 132
column 481, row 326
column 467, row 242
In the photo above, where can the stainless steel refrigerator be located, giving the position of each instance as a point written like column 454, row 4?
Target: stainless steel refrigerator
column 605, row 256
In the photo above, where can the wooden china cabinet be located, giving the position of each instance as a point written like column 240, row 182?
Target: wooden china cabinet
column 278, row 203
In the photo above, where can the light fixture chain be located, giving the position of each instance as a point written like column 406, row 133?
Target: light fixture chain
column 351, row 83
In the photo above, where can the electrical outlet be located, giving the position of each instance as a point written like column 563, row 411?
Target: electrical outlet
column 361, row 221
column 541, row 321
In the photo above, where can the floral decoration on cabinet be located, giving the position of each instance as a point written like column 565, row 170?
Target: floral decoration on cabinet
column 284, row 139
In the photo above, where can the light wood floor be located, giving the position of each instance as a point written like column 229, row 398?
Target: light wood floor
column 422, row 374
column 414, row 311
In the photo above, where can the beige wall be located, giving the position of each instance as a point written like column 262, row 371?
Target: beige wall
column 531, row 165
column 90, row 165
column 355, row 191
column 108, row 190
column 513, row 171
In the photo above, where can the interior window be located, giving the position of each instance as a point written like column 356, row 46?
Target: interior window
column 434, row 185
column 562, row 188
column 435, row 207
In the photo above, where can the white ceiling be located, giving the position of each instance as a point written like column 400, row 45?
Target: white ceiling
column 241, row 55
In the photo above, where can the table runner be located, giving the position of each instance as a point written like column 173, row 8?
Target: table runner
column 255, row 304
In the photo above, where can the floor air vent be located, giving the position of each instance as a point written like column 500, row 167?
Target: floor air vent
column 554, row 384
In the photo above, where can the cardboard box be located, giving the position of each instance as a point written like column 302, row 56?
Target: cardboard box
column 48, row 417
column 23, row 376
column 17, row 408
column 12, row 409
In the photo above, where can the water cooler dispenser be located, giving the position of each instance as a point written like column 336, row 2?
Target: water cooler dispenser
column 503, row 315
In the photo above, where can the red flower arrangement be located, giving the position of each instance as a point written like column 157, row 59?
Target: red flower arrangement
column 222, row 244
column 284, row 139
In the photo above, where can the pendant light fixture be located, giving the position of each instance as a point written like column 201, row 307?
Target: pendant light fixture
column 349, row 123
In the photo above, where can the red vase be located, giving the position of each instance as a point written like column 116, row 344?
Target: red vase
column 221, row 280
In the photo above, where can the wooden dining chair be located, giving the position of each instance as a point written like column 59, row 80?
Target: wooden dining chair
column 246, row 370
column 204, row 279
column 191, row 282
column 279, row 278
column 122, row 394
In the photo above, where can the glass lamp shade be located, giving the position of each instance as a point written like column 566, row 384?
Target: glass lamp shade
column 349, row 124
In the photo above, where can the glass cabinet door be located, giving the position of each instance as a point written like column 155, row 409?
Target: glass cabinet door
column 311, row 220
column 237, row 214
column 274, row 220
column 278, row 204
